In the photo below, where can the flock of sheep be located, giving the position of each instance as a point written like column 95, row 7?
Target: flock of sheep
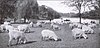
column 18, row 33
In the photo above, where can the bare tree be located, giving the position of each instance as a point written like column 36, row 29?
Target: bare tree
column 78, row 4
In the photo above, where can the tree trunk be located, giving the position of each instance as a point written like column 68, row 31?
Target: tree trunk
column 79, row 6
column 80, row 17
column 24, row 20
column 1, row 19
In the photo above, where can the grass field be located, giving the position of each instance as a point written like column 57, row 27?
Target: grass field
column 34, row 39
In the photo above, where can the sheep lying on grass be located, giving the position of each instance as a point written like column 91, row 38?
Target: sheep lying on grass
column 48, row 34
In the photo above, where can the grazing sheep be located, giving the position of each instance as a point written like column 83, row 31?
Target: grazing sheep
column 48, row 34
column 55, row 26
column 87, row 29
column 92, row 25
column 24, row 28
column 76, row 32
column 38, row 24
column 16, row 35
column 75, row 25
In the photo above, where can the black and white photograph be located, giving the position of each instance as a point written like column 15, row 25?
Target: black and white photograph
column 49, row 23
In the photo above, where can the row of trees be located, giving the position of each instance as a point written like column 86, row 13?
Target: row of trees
column 6, row 9
column 48, row 13
column 25, row 9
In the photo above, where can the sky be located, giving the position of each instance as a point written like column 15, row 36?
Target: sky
column 58, row 6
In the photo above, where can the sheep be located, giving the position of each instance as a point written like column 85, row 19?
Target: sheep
column 47, row 22
column 31, row 24
column 67, row 22
column 75, row 25
column 8, row 27
column 48, row 34
column 76, row 32
column 6, row 23
column 16, row 35
column 38, row 24
column 2, row 27
column 55, row 26
column 24, row 28
column 57, row 21
column 71, row 26
column 92, row 25
column 87, row 29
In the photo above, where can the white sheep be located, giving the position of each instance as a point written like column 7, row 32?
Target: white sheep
column 8, row 27
column 55, row 26
column 6, row 23
column 72, row 25
column 24, row 28
column 47, row 22
column 57, row 21
column 87, row 29
column 48, row 34
column 76, row 32
column 38, row 24
column 92, row 25
column 2, row 27
column 16, row 35
column 75, row 25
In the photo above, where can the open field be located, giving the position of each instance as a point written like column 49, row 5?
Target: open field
column 34, row 39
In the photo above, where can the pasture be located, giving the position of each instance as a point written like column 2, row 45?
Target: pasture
column 34, row 39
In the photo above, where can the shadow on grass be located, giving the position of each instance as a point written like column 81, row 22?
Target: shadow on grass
column 52, row 40
column 30, row 32
column 28, row 42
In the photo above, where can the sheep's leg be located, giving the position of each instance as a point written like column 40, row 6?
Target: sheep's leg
column 10, row 40
column 17, row 41
column 92, row 31
column 75, row 38
column 42, row 38
column 25, row 40
column 28, row 30
column 32, row 25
